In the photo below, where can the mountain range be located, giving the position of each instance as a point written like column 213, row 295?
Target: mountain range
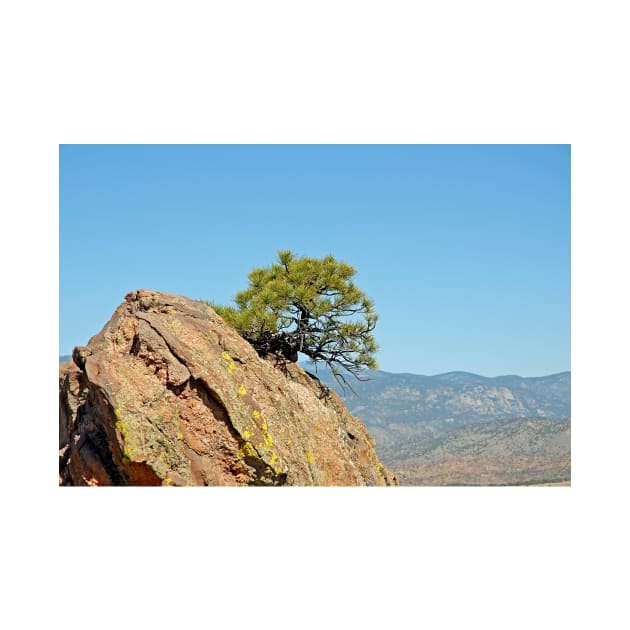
column 455, row 398
column 460, row 428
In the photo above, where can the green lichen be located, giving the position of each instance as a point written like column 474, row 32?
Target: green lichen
column 119, row 338
column 160, row 465
column 122, row 426
column 152, row 442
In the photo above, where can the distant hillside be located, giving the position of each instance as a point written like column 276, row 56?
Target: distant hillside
column 503, row 452
column 64, row 357
column 455, row 398
column 519, row 436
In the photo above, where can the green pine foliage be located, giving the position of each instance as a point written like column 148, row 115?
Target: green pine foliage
column 308, row 305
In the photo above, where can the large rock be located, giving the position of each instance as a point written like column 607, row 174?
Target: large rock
column 168, row 394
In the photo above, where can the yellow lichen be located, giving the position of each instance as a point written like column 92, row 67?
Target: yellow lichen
column 180, row 436
column 247, row 450
column 128, row 450
column 264, row 428
column 266, row 435
column 229, row 362
column 241, row 390
column 167, row 482
column 309, row 457
column 123, row 427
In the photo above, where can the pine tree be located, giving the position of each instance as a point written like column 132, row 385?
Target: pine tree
column 307, row 305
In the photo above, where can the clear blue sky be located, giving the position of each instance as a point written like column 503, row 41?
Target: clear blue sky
column 465, row 249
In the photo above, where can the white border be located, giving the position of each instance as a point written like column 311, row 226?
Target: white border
column 333, row 72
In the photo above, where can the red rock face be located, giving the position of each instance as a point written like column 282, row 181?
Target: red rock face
column 168, row 394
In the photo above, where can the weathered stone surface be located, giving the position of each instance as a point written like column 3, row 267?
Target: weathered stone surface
column 168, row 394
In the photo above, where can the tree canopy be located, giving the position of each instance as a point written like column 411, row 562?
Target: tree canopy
column 307, row 305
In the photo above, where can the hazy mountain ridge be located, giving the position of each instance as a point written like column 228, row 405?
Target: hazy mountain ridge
column 454, row 397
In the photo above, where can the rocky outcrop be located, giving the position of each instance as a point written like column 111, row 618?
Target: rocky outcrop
column 168, row 394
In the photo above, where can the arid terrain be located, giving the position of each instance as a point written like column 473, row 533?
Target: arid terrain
column 465, row 429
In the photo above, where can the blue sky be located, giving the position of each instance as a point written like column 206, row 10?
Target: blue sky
column 465, row 249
